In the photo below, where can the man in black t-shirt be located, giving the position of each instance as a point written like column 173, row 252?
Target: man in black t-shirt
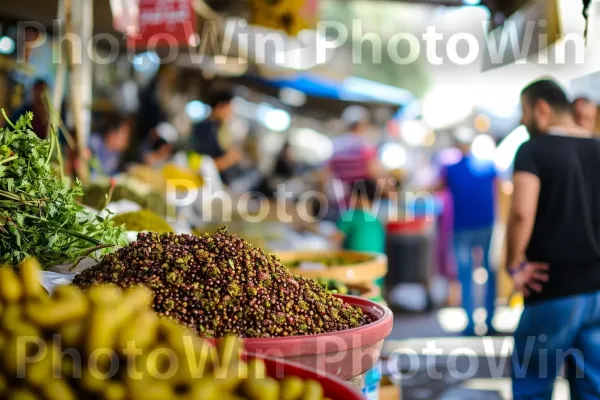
column 553, row 250
column 205, row 136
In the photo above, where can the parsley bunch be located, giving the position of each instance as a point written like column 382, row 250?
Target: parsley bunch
column 39, row 214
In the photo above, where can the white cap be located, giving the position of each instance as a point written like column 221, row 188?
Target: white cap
column 167, row 132
column 355, row 114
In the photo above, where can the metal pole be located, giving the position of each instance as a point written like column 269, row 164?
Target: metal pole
column 59, row 86
column 87, row 32
column 76, row 57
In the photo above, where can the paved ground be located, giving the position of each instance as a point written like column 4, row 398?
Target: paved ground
column 435, row 362
column 410, row 326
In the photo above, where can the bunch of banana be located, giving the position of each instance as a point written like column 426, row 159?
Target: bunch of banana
column 107, row 344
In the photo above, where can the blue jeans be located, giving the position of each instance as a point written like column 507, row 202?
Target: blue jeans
column 465, row 241
column 550, row 333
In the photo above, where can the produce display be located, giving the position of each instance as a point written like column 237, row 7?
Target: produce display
column 143, row 220
column 158, row 178
column 39, row 214
column 255, row 240
column 95, row 196
column 99, row 327
column 328, row 262
column 219, row 284
column 174, row 172
column 136, row 325
column 346, row 266
column 336, row 286
column 259, row 233
column 367, row 290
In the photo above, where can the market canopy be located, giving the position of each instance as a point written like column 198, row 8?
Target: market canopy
column 350, row 89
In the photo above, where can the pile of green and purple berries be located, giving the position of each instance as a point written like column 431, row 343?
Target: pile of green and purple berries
column 219, row 284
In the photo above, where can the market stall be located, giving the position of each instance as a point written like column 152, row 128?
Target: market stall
column 208, row 286
column 126, row 206
column 340, row 270
column 102, row 319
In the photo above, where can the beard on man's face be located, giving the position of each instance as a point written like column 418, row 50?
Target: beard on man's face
column 534, row 129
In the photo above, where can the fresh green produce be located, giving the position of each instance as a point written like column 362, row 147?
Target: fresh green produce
column 333, row 285
column 126, row 351
column 257, row 233
column 95, row 197
column 219, row 284
column 38, row 212
column 143, row 220
column 255, row 240
column 337, row 261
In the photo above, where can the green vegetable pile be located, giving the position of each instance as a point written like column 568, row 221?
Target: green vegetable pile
column 95, row 197
column 335, row 286
column 143, row 220
column 39, row 214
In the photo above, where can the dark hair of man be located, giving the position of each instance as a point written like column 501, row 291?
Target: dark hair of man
column 354, row 126
column 548, row 91
column 220, row 97
column 39, row 82
column 110, row 123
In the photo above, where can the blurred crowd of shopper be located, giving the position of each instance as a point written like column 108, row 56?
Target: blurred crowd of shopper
column 553, row 232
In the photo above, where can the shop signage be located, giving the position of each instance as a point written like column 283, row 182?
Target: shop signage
column 125, row 15
column 290, row 16
column 155, row 23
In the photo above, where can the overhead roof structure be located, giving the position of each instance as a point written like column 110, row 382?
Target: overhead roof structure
column 350, row 89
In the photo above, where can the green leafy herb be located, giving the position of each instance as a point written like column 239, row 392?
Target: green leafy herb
column 39, row 214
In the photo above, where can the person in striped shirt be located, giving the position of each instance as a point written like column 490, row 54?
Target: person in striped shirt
column 354, row 158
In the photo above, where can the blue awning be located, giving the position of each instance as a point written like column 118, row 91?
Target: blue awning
column 351, row 89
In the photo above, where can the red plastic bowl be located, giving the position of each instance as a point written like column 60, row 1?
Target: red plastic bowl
column 345, row 354
column 334, row 388
column 417, row 225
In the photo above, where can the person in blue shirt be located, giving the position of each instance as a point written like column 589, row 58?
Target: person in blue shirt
column 472, row 184
column 109, row 144
column 37, row 105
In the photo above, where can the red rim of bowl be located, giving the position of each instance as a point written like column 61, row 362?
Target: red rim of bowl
column 331, row 342
column 334, row 387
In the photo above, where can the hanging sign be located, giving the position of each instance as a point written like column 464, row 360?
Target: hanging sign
column 162, row 23
column 290, row 16
column 125, row 15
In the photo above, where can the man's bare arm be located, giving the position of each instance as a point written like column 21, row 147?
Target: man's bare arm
column 522, row 216
column 229, row 159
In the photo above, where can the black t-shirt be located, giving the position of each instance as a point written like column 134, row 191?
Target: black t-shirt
column 205, row 139
column 567, row 227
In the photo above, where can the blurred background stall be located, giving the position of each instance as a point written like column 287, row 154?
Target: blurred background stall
column 255, row 117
